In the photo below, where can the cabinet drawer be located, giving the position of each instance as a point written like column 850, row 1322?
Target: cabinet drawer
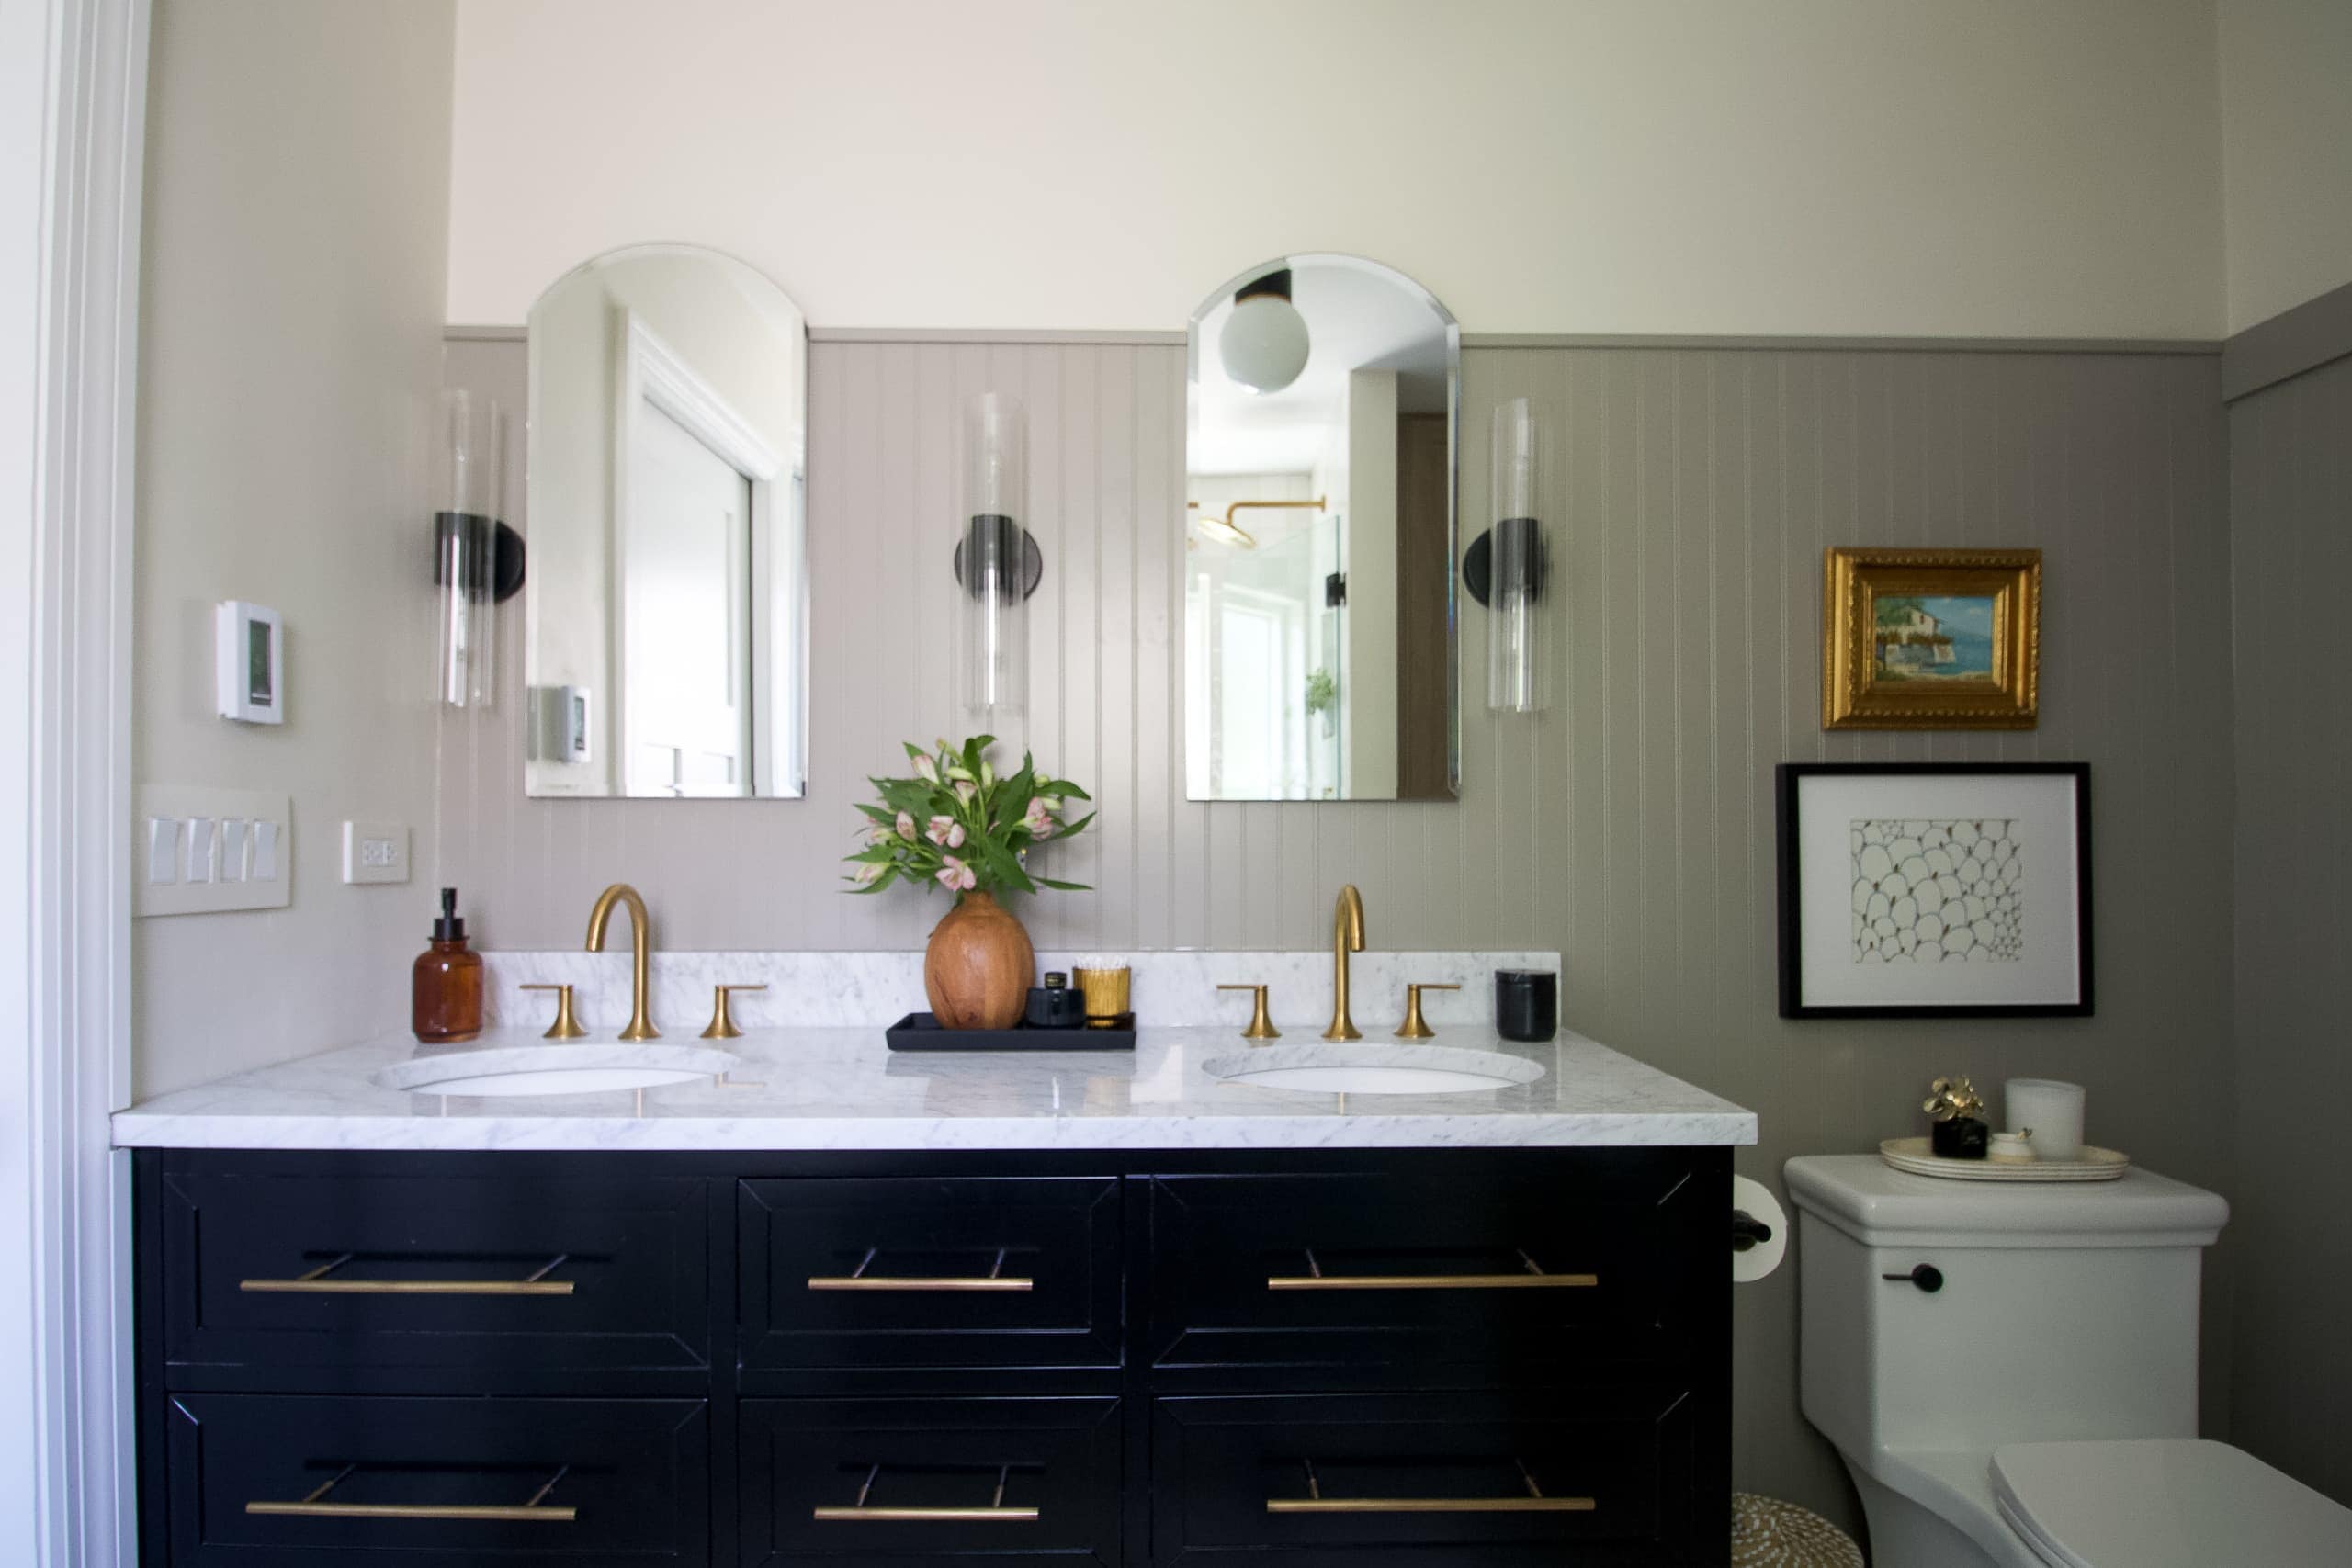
column 1429, row 1479
column 1381, row 1280
column 903, row 1274
column 408, row 1284
column 888, row 1482
column 308, row 1480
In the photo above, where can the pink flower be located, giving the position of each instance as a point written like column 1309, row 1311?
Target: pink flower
column 945, row 831
column 879, row 835
column 926, row 770
column 954, row 875
column 867, row 875
column 907, row 825
column 1039, row 823
column 964, row 789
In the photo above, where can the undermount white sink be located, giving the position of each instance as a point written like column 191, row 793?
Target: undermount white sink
column 555, row 1069
column 1374, row 1069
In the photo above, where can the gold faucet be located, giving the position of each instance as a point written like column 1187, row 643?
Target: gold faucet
column 640, row 943
column 1347, row 936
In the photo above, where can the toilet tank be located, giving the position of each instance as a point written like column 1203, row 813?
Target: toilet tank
column 2066, row 1310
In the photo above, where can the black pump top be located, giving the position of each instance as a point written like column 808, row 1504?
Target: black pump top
column 449, row 928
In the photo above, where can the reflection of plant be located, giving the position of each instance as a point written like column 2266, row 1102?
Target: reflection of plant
column 960, row 825
column 1322, row 692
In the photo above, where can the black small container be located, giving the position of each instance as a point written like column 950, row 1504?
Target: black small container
column 1054, row 1005
column 1962, row 1137
column 1527, row 1004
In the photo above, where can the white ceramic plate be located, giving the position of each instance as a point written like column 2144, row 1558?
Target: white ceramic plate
column 1914, row 1155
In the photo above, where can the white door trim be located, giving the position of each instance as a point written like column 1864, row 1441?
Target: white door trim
column 73, row 119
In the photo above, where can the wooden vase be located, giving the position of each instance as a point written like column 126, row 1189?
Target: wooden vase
column 978, row 968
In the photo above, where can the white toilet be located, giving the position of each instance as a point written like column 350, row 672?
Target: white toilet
column 2009, row 1370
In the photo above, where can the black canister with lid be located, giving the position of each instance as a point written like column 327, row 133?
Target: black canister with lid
column 1054, row 1005
column 1527, row 1004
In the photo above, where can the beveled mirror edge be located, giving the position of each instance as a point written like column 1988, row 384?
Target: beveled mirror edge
column 1193, row 326
column 795, row 470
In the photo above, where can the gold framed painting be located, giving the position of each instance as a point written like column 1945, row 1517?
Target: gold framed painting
column 1930, row 640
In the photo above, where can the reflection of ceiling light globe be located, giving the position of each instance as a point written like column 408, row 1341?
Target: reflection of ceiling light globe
column 1264, row 345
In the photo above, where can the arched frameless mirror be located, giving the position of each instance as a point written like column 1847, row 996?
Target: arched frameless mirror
column 669, row 587
column 1319, row 611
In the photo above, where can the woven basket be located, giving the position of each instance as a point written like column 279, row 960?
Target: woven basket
column 1769, row 1533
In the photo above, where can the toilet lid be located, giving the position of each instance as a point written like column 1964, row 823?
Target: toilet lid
column 2164, row 1502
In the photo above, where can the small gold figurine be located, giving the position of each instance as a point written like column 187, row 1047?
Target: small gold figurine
column 1948, row 1098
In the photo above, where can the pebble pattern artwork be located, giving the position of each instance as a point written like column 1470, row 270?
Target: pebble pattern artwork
column 1938, row 892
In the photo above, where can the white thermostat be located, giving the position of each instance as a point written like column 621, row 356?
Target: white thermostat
column 250, row 657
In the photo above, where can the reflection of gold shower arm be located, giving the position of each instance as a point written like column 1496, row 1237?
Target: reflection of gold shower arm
column 1250, row 540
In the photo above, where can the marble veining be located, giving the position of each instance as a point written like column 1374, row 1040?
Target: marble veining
column 843, row 1089
column 877, row 989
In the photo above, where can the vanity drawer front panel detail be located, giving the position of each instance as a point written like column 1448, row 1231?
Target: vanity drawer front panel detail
column 896, row 1482
column 1436, row 1481
column 1384, row 1279
column 306, row 1481
column 908, row 1275
column 291, row 1280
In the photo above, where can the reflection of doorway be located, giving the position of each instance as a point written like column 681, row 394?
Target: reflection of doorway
column 685, row 606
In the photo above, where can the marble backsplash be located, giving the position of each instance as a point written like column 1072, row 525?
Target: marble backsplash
column 876, row 989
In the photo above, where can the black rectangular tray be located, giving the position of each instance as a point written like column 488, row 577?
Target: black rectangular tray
column 921, row 1032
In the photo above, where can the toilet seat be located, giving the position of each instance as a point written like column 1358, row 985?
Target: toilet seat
column 2164, row 1502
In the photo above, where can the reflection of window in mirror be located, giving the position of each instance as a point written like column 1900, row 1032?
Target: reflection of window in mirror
column 1319, row 538
column 668, row 592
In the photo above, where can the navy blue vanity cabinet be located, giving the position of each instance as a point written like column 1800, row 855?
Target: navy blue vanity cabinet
column 1290, row 1359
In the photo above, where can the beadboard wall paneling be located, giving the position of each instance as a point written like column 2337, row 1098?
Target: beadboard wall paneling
column 1629, row 827
column 2290, row 512
column 1106, row 495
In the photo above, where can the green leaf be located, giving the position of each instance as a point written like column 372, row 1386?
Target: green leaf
column 1002, row 867
column 1068, row 791
column 1072, row 829
column 1064, row 886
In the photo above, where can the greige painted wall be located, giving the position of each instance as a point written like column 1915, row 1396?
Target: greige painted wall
column 1630, row 826
column 289, row 366
column 2291, row 518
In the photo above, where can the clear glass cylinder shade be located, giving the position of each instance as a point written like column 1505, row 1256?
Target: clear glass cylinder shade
column 1518, row 566
column 993, row 555
column 465, row 541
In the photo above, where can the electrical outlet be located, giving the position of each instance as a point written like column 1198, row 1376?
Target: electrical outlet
column 375, row 852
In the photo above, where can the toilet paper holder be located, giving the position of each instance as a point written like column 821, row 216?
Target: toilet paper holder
column 1747, row 1230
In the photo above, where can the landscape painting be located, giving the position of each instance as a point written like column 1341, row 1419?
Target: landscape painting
column 1930, row 639
column 1920, row 637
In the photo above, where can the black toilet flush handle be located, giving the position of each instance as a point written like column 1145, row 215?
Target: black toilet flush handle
column 1926, row 1276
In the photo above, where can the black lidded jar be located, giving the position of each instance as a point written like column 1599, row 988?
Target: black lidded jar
column 1527, row 1004
column 1054, row 1005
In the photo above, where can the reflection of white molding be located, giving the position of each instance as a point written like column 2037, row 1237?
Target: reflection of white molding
column 655, row 373
column 648, row 371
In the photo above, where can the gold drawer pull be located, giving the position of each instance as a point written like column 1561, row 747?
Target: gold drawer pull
column 858, row 1513
column 996, row 1279
column 315, row 1506
column 1428, row 1504
column 1533, row 1502
column 1534, row 1279
column 316, row 1283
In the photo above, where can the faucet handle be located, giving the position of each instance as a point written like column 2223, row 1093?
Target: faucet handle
column 565, row 1027
column 722, row 1027
column 1415, row 1027
column 1261, row 1026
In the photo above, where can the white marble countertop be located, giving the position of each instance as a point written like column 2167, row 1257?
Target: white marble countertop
column 844, row 1089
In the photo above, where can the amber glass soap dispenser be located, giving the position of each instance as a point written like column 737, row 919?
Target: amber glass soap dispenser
column 445, row 992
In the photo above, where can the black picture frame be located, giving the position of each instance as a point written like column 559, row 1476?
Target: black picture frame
column 1787, row 781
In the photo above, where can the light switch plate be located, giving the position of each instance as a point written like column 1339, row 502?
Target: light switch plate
column 168, row 821
column 375, row 852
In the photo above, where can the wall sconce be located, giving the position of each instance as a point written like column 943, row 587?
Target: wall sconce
column 477, row 558
column 997, row 562
column 1508, row 569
